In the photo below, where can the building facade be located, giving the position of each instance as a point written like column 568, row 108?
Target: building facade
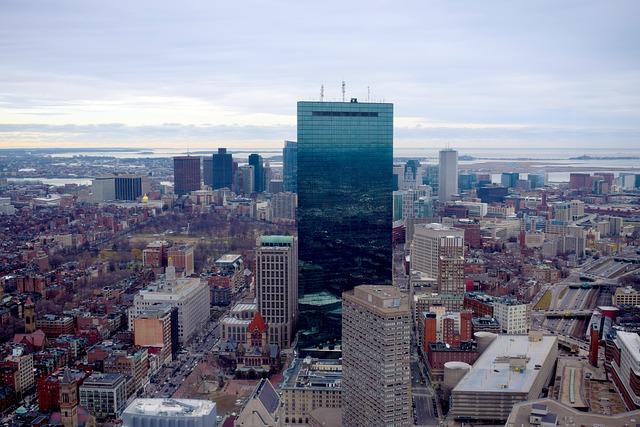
column 430, row 242
column 448, row 175
column 189, row 295
column 345, row 169
column 187, row 174
column 277, row 286
column 104, row 395
column 290, row 166
column 257, row 162
column 376, row 338
column 222, row 169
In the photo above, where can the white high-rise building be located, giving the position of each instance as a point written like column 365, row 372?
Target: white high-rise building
column 514, row 317
column 430, row 242
column 448, row 175
column 277, row 286
column 376, row 336
column 190, row 295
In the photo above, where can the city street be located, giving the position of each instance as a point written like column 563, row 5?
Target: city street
column 425, row 412
column 170, row 377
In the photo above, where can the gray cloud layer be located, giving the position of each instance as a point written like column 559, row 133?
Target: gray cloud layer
column 95, row 72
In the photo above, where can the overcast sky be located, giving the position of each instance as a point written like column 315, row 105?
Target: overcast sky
column 203, row 74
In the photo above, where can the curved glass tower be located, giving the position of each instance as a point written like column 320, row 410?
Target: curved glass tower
column 345, row 173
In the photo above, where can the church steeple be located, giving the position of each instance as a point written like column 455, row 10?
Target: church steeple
column 29, row 315
column 68, row 400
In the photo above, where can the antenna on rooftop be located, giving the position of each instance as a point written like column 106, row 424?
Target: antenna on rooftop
column 321, row 93
column 368, row 93
column 344, row 87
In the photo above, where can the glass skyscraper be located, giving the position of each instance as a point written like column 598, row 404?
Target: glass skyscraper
column 222, row 169
column 290, row 166
column 256, row 161
column 345, row 174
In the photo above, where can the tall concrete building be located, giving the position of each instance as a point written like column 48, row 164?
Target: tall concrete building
column 189, row 295
column 283, row 206
column 290, row 166
column 345, row 175
column 447, row 175
column 430, row 242
column 376, row 336
column 277, row 286
column 103, row 188
column 187, row 175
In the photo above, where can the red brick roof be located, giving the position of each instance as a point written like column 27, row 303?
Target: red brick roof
column 258, row 323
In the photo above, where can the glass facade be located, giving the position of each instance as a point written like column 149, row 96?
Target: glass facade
column 345, row 174
column 290, row 166
column 256, row 161
column 128, row 188
column 222, row 169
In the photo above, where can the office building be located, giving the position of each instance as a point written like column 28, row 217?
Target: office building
column 133, row 363
column 625, row 366
column 182, row 257
column 186, row 174
column 131, row 187
column 277, row 286
column 229, row 272
column 222, row 169
column 376, row 329
column 310, row 384
column 448, row 175
column 156, row 328
column 104, row 395
column 513, row 369
column 537, row 180
column 430, row 242
column 514, row 317
column 431, row 177
column 103, row 189
column 207, row 171
column 257, row 162
column 411, row 198
column 275, row 186
column 20, row 367
column 283, row 206
column 509, row 179
column 53, row 326
column 492, row 193
column 244, row 180
column 626, row 296
column 155, row 254
column 167, row 412
column 345, row 164
column 189, row 295
column 290, row 166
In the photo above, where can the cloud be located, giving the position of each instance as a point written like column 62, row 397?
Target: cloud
column 539, row 72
